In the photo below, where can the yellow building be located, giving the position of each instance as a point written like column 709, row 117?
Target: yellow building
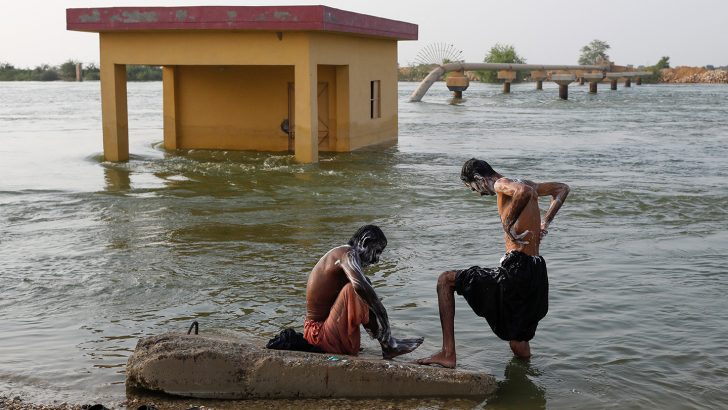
column 296, row 78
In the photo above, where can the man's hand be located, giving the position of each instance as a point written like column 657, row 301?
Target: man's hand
column 518, row 238
column 544, row 229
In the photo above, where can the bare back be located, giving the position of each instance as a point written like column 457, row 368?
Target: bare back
column 325, row 282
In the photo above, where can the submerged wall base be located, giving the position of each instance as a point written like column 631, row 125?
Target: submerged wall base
column 224, row 367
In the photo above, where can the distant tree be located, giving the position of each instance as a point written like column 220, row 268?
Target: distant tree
column 663, row 63
column 710, row 67
column 91, row 73
column 500, row 53
column 143, row 73
column 594, row 53
column 67, row 70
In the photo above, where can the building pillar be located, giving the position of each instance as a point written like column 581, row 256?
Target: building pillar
column 114, row 116
column 306, row 112
column 169, row 106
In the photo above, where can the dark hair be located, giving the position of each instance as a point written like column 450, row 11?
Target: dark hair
column 475, row 166
column 366, row 236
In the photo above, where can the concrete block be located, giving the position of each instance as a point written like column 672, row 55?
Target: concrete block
column 226, row 367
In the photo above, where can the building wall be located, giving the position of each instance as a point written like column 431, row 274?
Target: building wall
column 367, row 60
column 221, row 106
column 232, row 107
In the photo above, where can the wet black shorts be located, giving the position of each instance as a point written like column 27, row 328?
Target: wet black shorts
column 512, row 297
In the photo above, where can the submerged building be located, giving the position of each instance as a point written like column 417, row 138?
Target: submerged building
column 284, row 78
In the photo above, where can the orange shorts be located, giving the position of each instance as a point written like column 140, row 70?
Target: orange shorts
column 340, row 332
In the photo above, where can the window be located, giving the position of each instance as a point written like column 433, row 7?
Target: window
column 374, row 100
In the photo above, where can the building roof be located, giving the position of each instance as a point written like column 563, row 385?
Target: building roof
column 237, row 18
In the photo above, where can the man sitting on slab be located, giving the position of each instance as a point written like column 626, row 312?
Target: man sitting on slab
column 339, row 298
column 512, row 297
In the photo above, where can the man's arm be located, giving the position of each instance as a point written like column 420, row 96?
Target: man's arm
column 558, row 192
column 353, row 270
column 520, row 193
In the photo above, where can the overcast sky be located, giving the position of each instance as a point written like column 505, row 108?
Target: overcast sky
column 692, row 33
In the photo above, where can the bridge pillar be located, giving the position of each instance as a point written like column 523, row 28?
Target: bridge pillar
column 638, row 80
column 594, row 79
column 457, row 82
column 628, row 82
column 508, row 76
column 563, row 80
column 614, row 84
column 538, row 76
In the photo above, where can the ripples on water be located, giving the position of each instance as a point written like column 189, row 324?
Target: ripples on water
column 97, row 254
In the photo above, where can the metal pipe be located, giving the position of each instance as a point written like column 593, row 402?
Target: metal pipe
column 438, row 71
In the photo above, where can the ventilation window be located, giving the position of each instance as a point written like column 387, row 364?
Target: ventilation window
column 374, row 100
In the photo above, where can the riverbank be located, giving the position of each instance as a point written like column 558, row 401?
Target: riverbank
column 693, row 75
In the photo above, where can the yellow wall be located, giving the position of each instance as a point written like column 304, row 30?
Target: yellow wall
column 232, row 107
column 230, row 89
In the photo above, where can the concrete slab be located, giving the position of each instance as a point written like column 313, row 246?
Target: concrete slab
column 226, row 367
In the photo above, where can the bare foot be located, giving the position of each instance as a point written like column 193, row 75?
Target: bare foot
column 440, row 358
column 402, row 346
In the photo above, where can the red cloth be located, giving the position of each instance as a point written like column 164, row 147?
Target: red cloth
column 340, row 332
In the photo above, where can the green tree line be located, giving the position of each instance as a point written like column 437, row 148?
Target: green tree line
column 67, row 72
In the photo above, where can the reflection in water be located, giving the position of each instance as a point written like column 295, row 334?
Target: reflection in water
column 117, row 178
column 517, row 391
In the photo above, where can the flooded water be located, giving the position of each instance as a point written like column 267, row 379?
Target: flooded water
column 94, row 255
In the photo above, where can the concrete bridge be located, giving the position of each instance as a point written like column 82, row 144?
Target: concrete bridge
column 563, row 75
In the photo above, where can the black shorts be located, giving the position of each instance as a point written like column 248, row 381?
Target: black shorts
column 512, row 297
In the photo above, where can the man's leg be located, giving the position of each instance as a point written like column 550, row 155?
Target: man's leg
column 340, row 332
column 446, row 304
column 521, row 349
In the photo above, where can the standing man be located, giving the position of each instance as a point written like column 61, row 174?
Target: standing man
column 514, row 296
column 339, row 298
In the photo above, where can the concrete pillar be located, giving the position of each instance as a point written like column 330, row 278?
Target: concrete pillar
column 614, row 83
column 581, row 80
column 114, row 116
column 563, row 80
column 594, row 79
column 507, row 76
column 628, row 82
column 169, row 106
column 457, row 82
column 638, row 80
column 79, row 72
column 538, row 76
column 306, row 112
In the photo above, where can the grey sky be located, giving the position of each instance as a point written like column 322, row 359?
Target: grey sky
column 544, row 32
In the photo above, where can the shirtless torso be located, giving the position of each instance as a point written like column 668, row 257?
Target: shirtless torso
column 523, row 230
column 329, row 279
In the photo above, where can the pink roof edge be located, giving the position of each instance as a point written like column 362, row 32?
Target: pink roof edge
column 234, row 18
